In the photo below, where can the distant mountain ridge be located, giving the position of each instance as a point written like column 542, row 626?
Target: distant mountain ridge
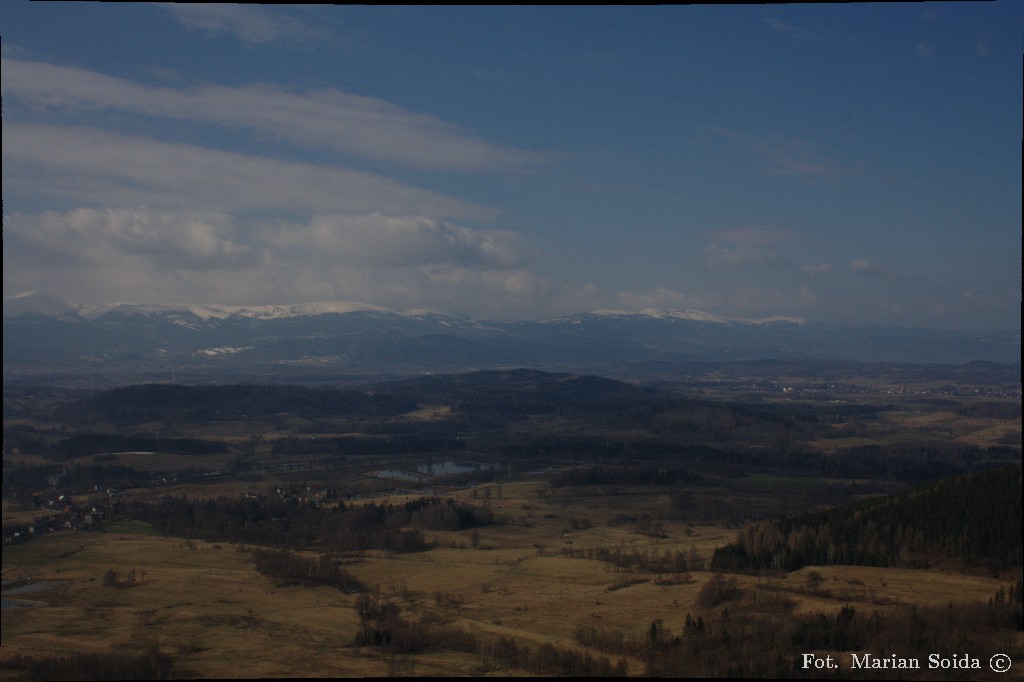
column 43, row 334
column 39, row 303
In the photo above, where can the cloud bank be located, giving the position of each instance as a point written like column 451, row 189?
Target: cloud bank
column 177, row 255
column 365, row 127
column 96, row 167
column 250, row 24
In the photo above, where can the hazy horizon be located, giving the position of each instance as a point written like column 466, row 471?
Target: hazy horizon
column 855, row 164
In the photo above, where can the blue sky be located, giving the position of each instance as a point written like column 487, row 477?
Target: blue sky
column 854, row 164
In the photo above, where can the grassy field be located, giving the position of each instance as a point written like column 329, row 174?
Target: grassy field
column 207, row 606
column 18, row 515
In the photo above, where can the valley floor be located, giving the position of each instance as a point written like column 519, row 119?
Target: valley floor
column 529, row 580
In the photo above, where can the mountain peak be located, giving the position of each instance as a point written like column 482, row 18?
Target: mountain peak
column 38, row 303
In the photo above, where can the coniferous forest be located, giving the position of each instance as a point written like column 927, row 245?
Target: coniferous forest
column 969, row 517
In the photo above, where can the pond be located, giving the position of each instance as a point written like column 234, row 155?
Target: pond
column 449, row 468
column 427, row 472
column 401, row 475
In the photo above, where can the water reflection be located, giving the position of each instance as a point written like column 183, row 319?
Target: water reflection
column 427, row 472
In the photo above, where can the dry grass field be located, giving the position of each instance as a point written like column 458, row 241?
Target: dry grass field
column 925, row 427
column 207, row 606
column 17, row 515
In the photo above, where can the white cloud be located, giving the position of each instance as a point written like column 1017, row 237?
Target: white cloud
column 717, row 256
column 401, row 262
column 98, row 168
column 326, row 118
column 668, row 299
column 817, row 269
column 745, row 245
column 752, row 235
column 382, row 241
column 779, row 25
column 792, row 157
column 197, row 240
column 248, row 23
column 982, row 43
column 793, row 32
column 154, row 220
column 737, row 301
column 85, row 237
column 862, row 266
column 754, row 301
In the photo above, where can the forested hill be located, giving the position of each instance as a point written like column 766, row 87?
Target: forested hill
column 522, row 391
column 509, row 392
column 974, row 518
column 172, row 402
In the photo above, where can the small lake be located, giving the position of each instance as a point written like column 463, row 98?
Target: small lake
column 426, row 472
column 401, row 475
column 448, row 468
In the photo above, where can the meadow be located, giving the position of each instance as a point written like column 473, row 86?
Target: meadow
column 528, row 580
column 576, row 535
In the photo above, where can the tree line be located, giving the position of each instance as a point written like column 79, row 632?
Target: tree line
column 288, row 568
column 300, row 523
column 123, row 664
column 757, row 635
column 175, row 402
column 606, row 474
column 641, row 560
column 975, row 517
column 95, row 443
column 382, row 626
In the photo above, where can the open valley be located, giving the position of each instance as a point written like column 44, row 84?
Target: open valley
column 498, row 522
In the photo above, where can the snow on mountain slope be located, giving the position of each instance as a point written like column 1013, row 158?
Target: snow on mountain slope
column 269, row 312
column 693, row 316
column 38, row 303
column 354, row 337
column 216, row 311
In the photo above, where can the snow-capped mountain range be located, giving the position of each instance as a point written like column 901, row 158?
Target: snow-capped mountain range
column 38, row 303
column 45, row 334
